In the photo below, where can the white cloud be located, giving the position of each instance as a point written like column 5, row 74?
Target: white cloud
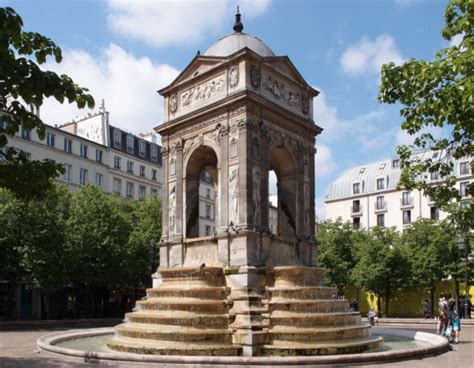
column 325, row 115
column 127, row 83
column 164, row 22
column 367, row 56
column 272, row 183
column 456, row 40
column 320, row 210
column 323, row 164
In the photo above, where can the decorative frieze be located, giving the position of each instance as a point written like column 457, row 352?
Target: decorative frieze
column 202, row 91
column 255, row 76
column 198, row 125
column 281, row 92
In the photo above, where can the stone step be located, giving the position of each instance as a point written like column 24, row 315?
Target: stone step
column 284, row 334
column 184, row 304
column 140, row 346
column 349, row 346
column 192, row 276
column 173, row 333
column 309, row 306
column 217, row 293
column 317, row 292
column 285, row 318
column 178, row 318
column 293, row 276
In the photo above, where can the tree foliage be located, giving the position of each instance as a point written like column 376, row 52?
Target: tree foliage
column 437, row 94
column 23, row 85
column 336, row 249
column 382, row 266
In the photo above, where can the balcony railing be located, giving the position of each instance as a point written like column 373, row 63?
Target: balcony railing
column 356, row 210
column 380, row 207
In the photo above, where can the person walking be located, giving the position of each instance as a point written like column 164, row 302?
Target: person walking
column 426, row 310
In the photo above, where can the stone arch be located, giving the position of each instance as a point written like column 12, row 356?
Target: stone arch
column 202, row 157
column 283, row 163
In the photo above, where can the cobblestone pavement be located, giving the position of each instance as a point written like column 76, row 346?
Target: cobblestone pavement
column 18, row 349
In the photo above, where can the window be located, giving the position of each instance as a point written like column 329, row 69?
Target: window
column 434, row 213
column 208, row 192
column 117, row 162
column 98, row 155
column 380, row 183
column 464, row 204
column 395, row 163
column 83, row 150
column 464, row 168
column 67, row 145
column 208, row 230
column 381, row 220
column 130, row 167
column 380, row 205
column 356, row 206
column 83, row 177
column 99, row 180
column 208, row 211
column 130, row 190
column 50, row 138
column 153, row 174
column 406, row 198
column 67, row 176
column 141, row 192
column 130, row 140
column 355, row 188
column 154, row 192
column 434, row 175
column 362, row 170
column 154, row 153
column 382, row 166
column 463, row 188
column 142, row 170
column 406, row 217
column 142, row 148
column 117, row 186
column 356, row 223
column 117, row 138
column 25, row 133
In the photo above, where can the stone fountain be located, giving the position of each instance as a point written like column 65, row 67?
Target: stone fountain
column 238, row 111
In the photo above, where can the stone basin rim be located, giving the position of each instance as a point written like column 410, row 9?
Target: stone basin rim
column 437, row 346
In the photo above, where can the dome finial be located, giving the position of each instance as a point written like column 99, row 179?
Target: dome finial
column 238, row 26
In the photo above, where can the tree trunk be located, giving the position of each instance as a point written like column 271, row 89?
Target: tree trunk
column 379, row 306
column 456, row 292
column 10, row 305
column 44, row 313
column 387, row 300
column 432, row 301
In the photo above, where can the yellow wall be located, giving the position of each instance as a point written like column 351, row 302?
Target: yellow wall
column 404, row 304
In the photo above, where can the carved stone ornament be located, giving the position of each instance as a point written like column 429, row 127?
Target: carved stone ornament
column 244, row 124
column 255, row 76
column 174, row 103
column 280, row 92
column 305, row 104
column 233, row 76
column 202, row 91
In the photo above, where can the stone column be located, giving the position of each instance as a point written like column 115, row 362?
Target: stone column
column 178, row 146
column 245, row 174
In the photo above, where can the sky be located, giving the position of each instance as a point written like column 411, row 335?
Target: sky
column 124, row 51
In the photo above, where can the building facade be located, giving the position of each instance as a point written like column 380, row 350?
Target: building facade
column 367, row 195
column 95, row 152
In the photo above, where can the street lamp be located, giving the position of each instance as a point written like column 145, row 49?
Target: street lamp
column 461, row 242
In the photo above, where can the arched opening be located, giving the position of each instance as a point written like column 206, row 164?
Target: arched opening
column 282, row 180
column 201, row 193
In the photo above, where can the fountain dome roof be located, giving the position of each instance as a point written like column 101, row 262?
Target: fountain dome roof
column 237, row 41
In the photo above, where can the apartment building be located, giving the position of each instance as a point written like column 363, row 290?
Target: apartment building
column 93, row 151
column 367, row 195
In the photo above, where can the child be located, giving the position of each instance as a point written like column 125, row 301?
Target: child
column 456, row 327
column 448, row 332
column 441, row 321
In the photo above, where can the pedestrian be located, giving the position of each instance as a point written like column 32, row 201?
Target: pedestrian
column 456, row 327
column 469, row 306
column 356, row 305
column 441, row 320
column 426, row 309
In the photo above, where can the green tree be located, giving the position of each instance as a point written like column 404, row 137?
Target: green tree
column 96, row 239
column 427, row 244
column 11, row 228
column 382, row 266
column 143, row 242
column 24, row 85
column 335, row 252
column 440, row 94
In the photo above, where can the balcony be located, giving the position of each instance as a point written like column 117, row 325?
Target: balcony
column 380, row 207
column 356, row 210
column 406, row 202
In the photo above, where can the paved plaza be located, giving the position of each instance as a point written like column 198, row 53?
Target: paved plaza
column 18, row 349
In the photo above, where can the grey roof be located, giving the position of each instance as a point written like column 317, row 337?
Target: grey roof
column 230, row 44
column 368, row 174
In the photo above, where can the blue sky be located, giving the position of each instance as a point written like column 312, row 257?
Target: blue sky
column 126, row 50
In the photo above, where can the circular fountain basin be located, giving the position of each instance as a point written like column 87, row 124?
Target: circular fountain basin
column 398, row 345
